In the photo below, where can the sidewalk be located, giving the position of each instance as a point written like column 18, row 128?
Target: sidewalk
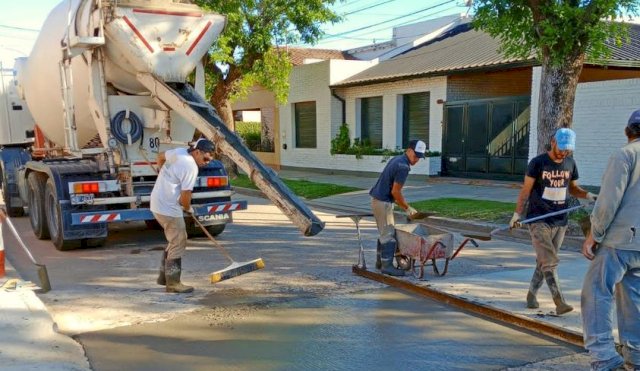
column 29, row 340
column 28, row 337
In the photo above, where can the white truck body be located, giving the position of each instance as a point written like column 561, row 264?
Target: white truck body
column 106, row 85
column 13, row 109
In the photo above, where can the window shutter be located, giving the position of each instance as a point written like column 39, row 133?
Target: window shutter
column 372, row 121
column 415, row 118
column 305, row 121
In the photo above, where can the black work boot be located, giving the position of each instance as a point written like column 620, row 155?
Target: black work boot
column 552, row 281
column 378, row 251
column 534, row 286
column 172, row 272
column 387, row 253
column 161, row 279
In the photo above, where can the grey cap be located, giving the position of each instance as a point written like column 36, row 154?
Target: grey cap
column 634, row 119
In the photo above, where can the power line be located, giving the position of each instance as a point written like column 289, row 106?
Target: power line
column 414, row 20
column 389, row 20
column 368, row 7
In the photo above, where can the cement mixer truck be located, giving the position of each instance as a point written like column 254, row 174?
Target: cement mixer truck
column 106, row 84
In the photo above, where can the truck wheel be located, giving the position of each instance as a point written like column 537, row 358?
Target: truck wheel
column 215, row 230
column 12, row 211
column 193, row 230
column 153, row 225
column 55, row 221
column 36, row 183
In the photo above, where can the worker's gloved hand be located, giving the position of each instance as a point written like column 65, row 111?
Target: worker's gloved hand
column 592, row 197
column 411, row 211
column 515, row 221
column 190, row 211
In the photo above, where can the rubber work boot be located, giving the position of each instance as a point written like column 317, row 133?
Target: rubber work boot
column 552, row 281
column 387, row 253
column 534, row 286
column 378, row 251
column 172, row 272
column 161, row 280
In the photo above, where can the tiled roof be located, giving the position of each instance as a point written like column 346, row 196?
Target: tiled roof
column 464, row 49
column 298, row 55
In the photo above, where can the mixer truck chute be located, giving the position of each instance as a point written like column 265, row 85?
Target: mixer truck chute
column 108, row 102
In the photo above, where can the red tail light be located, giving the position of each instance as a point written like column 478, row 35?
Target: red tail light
column 217, row 181
column 89, row 187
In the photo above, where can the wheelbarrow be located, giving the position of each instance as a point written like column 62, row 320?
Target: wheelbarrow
column 420, row 243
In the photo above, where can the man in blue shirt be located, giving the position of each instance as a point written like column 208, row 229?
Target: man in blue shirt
column 386, row 192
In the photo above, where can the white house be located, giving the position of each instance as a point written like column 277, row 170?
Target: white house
column 458, row 93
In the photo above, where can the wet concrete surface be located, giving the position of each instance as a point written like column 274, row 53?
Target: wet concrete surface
column 305, row 310
column 378, row 329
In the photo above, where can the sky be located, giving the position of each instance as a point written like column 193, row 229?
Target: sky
column 366, row 22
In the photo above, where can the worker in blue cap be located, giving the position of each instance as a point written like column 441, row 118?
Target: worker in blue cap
column 550, row 178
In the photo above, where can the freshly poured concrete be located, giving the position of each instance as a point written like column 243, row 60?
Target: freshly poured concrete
column 380, row 329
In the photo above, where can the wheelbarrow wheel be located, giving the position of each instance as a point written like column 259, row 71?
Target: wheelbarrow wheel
column 404, row 262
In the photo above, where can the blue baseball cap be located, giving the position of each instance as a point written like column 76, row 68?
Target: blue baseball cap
column 634, row 119
column 565, row 139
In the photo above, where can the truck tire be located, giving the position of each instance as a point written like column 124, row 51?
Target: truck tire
column 193, row 230
column 37, row 217
column 55, row 221
column 215, row 230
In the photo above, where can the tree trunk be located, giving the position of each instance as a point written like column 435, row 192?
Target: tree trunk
column 557, row 95
column 225, row 111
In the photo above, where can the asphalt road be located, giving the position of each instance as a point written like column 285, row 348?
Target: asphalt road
column 305, row 310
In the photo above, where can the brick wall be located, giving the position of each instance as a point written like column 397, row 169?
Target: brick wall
column 489, row 85
column 310, row 82
column 600, row 115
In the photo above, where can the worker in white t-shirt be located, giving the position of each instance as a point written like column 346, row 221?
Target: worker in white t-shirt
column 170, row 199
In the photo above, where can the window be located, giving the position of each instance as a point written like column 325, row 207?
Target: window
column 305, row 124
column 415, row 118
column 371, row 121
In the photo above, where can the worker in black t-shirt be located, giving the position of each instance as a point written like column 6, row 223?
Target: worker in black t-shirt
column 551, row 177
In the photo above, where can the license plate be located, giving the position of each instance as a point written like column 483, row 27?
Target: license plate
column 82, row 199
column 210, row 217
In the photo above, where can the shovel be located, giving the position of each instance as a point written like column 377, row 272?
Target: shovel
column 419, row 215
column 45, row 284
column 536, row 218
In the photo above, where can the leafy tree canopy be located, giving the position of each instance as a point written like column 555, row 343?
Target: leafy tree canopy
column 554, row 29
column 247, row 52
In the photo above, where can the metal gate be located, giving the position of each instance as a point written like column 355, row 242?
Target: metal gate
column 486, row 138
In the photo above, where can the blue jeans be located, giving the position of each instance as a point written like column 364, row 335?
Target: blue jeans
column 612, row 272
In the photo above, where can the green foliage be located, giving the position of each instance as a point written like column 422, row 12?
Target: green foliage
column 463, row 208
column 246, row 52
column 341, row 144
column 302, row 188
column 255, row 136
column 551, row 30
column 249, row 131
column 483, row 210
column 342, row 141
